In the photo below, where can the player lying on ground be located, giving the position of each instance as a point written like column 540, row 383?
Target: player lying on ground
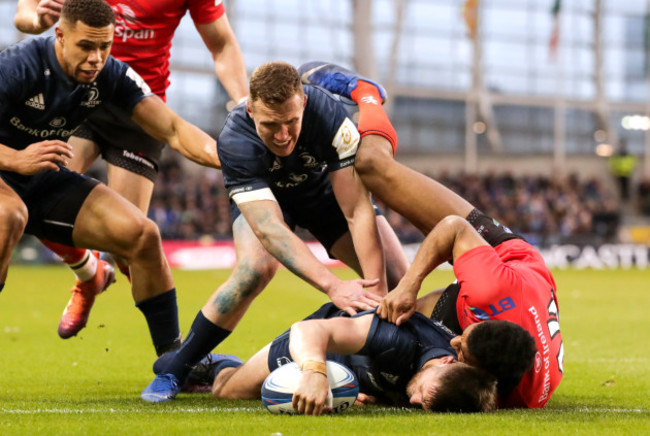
column 399, row 365
column 48, row 86
column 500, row 276
column 287, row 157
column 143, row 35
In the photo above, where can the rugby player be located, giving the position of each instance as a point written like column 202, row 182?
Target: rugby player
column 287, row 157
column 499, row 275
column 143, row 35
column 412, row 364
column 48, row 86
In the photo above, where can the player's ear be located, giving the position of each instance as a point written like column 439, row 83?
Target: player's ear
column 305, row 104
column 59, row 34
column 447, row 360
column 248, row 108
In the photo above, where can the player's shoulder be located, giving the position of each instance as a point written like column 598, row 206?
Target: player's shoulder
column 26, row 54
column 319, row 98
column 238, row 140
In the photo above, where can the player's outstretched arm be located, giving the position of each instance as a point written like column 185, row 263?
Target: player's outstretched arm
column 309, row 342
column 35, row 17
column 228, row 59
column 158, row 120
column 266, row 221
column 354, row 200
column 448, row 240
column 37, row 157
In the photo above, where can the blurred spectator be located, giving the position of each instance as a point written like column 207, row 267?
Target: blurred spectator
column 191, row 205
column 643, row 196
column 622, row 166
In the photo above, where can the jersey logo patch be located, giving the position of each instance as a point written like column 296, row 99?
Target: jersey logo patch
column 92, row 98
column 346, row 139
column 37, row 102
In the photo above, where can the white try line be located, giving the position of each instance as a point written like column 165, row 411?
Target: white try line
column 245, row 410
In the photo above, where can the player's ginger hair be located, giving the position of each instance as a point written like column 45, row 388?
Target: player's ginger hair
column 275, row 83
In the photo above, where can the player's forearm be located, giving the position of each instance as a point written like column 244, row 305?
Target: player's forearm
column 308, row 341
column 231, row 70
column 194, row 144
column 292, row 252
column 368, row 247
column 7, row 157
column 27, row 20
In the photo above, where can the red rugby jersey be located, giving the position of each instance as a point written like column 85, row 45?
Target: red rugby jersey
column 144, row 31
column 511, row 282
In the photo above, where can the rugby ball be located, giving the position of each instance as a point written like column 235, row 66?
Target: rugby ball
column 278, row 388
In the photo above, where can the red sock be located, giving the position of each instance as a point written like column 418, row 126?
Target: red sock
column 69, row 255
column 372, row 117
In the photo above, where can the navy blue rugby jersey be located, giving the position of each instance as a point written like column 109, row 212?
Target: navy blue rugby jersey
column 328, row 142
column 392, row 355
column 38, row 101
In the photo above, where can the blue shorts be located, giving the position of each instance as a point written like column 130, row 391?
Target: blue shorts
column 121, row 141
column 323, row 218
column 53, row 200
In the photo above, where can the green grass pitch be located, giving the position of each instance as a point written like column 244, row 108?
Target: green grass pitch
column 90, row 384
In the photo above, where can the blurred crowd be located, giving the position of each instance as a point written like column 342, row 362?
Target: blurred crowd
column 194, row 204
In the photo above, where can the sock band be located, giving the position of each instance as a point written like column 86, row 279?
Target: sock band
column 372, row 117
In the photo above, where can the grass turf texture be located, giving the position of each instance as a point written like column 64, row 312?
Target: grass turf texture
column 90, row 384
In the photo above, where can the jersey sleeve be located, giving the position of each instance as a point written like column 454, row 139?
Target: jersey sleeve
column 206, row 11
column 242, row 163
column 487, row 285
column 11, row 86
column 332, row 124
column 129, row 87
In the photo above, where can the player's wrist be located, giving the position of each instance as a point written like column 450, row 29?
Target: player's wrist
column 315, row 366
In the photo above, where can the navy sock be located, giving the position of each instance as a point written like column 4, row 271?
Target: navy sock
column 201, row 339
column 161, row 313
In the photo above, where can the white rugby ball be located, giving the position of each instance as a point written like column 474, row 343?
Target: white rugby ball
column 279, row 386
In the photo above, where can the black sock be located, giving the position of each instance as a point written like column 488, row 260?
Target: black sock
column 161, row 313
column 2, row 286
column 201, row 339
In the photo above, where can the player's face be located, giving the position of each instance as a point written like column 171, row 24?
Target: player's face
column 459, row 343
column 424, row 384
column 278, row 125
column 82, row 50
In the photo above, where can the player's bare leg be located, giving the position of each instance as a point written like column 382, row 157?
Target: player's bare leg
column 402, row 188
column 110, row 223
column 244, row 382
column 254, row 269
column 13, row 219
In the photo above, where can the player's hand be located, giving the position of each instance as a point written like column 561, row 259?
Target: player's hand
column 351, row 296
column 399, row 305
column 311, row 397
column 41, row 156
column 47, row 13
column 364, row 400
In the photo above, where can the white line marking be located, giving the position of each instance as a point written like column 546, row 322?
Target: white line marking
column 66, row 411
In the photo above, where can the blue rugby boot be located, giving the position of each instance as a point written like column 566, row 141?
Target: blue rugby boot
column 335, row 79
column 163, row 388
column 202, row 375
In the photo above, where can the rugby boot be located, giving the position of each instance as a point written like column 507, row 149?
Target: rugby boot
column 75, row 315
column 335, row 79
column 163, row 388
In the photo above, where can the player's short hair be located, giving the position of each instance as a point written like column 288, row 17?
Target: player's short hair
column 463, row 389
column 93, row 13
column 274, row 83
column 504, row 349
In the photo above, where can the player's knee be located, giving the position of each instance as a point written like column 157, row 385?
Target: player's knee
column 371, row 159
column 13, row 218
column 454, row 223
column 143, row 237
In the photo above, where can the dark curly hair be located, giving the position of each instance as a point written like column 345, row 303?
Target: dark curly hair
column 275, row 83
column 93, row 13
column 463, row 389
column 504, row 349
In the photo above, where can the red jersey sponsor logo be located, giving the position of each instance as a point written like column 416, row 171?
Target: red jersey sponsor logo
column 127, row 25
